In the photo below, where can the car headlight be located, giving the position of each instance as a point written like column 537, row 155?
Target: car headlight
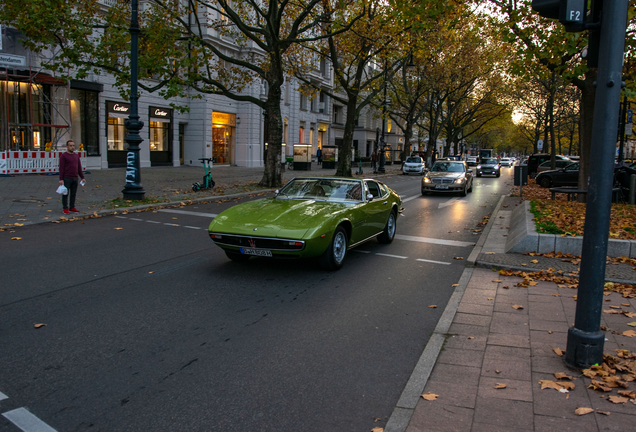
column 496, row 166
column 426, row 180
column 478, row 166
column 459, row 180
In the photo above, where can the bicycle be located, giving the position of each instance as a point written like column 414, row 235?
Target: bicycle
column 208, row 182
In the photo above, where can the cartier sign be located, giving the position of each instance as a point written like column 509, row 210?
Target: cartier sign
column 162, row 113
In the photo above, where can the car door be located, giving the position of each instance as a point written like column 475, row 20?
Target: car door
column 571, row 175
column 378, row 209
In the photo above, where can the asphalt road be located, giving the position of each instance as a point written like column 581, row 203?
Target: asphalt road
column 149, row 327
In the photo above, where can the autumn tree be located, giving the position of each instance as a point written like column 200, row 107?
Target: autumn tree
column 179, row 47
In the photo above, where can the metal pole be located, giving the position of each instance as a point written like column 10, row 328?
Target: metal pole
column 382, row 144
column 585, row 338
column 133, row 189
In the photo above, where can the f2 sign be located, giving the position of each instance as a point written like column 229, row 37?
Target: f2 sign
column 574, row 12
column 570, row 13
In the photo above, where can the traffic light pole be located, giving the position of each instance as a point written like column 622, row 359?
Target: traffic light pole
column 585, row 338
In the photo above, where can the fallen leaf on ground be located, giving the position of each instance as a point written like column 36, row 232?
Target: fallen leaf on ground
column 16, row 238
column 556, row 295
column 500, row 386
column 39, row 325
column 550, row 384
column 433, row 306
column 632, row 324
column 118, row 228
column 517, row 307
column 583, row 411
column 490, row 253
column 627, row 393
column 603, row 412
column 618, row 399
column 506, row 287
column 534, row 261
column 562, row 375
column 497, row 280
column 377, row 429
column 455, row 285
column 471, row 337
column 458, row 258
column 629, row 333
column 558, row 351
column 599, row 385
column 430, row 396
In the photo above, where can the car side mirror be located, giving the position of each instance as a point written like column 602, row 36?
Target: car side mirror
column 276, row 193
column 369, row 197
column 470, row 170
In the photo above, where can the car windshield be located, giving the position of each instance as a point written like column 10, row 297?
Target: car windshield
column 489, row 161
column 336, row 190
column 448, row 167
column 414, row 160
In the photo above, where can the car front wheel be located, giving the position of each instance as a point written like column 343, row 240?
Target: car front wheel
column 334, row 256
column 389, row 230
column 545, row 182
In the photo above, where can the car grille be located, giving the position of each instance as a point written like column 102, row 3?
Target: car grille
column 442, row 180
column 258, row 242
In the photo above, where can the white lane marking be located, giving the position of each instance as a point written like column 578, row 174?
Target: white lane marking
column 434, row 241
column 450, row 202
column 137, row 219
column 122, row 217
column 361, row 251
column 3, row 396
column 434, row 262
column 411, row 198
column 27, row 421
column 191, row 213
column 191, row 227
column 392, row 256
column 171, row 224
column 153, row 221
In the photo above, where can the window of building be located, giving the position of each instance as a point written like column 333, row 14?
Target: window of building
column 84, row 121
column 303, row 102
column 285, row 130
column 301, row 133
column 337, row 113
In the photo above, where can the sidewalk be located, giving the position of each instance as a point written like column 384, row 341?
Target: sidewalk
column 496, row 341
column 31, row 198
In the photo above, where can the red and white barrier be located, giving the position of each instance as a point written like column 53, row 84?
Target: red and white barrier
column 33, row 162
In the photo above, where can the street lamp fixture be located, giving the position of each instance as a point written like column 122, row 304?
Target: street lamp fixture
column 133, row 189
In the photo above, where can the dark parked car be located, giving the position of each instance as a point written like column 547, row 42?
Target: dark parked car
column 559, row 163
column 568, row 176
column 537, row 159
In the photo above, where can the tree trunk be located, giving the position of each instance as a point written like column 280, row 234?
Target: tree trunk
column 273, row 175
column 344, row 153
column 588, row 97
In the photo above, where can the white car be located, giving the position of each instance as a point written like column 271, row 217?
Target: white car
column 506, row 162
column 413, row 165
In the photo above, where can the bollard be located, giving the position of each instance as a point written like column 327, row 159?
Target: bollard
column 632, row 189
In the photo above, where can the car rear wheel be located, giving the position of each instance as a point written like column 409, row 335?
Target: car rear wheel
column 237, row 256
column 470, row 189
column 545, row 182
column 334, row 256
column 389, row 230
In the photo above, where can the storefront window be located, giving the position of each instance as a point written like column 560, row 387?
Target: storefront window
column 159, row 138
column 118, row 112
column 222, row 133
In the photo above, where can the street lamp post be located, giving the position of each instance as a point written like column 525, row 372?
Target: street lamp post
column 133, row 189
column 382, row 143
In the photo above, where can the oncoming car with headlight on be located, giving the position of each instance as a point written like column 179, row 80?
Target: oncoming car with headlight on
column 448, row 176
column 489, row 166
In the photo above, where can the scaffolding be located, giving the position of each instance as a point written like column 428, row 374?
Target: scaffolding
column 35, row 110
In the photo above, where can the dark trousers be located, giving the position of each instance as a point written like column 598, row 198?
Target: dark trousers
column 71, row 185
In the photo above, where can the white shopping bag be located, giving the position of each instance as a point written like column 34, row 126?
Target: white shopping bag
column 62, row 190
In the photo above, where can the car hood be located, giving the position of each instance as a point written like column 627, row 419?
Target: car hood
column 452, row 175
column 413, row 164
column 488, row 165
column 271, row 217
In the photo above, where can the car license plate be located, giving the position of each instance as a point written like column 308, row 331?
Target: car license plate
column 441, row 186
column 256, row 252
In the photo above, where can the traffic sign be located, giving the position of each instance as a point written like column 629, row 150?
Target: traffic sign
column 540, row 145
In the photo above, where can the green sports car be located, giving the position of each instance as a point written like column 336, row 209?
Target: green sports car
column 309, row 217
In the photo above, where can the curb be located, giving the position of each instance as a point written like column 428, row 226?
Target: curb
column 405, row 406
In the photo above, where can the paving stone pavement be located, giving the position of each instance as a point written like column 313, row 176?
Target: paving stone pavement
column 502, row 342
